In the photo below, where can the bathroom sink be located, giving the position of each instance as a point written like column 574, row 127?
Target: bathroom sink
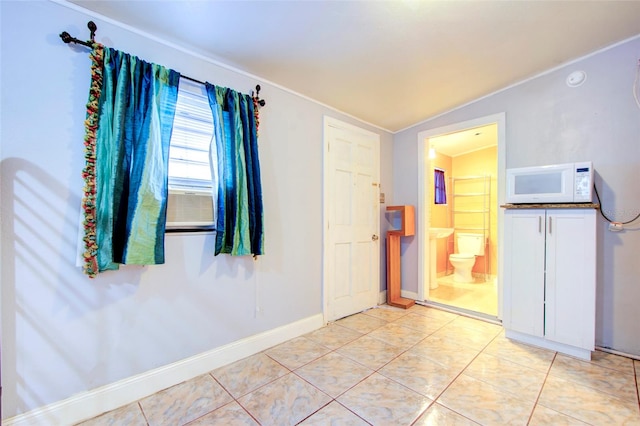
column 435, row 233
column 440, row 232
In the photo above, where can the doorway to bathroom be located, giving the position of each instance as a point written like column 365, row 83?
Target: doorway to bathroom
column 461, row 174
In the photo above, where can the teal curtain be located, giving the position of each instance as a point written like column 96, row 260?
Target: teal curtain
column 239, row 226
column 136, row 108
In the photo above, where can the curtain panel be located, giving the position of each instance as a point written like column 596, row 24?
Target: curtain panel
column 440, row 187
column 129, row 121
column 239, row 226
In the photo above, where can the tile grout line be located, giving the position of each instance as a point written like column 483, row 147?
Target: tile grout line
column 398, row 356
column 289, row 371
column 421, row 340
column 377, row 370
column 456, row 378
column 635, row 374
column 236, row 400
column 542, row 388
column 546, row 376
column 142, row 411
column 334, row 350
column 592, row 364
column 335, row 399
column 435, row 400
column 331, row 350
column 332, row 399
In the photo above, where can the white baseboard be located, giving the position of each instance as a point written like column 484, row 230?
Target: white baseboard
column 409, row 294
column 541, row 342
column 109, row 397
column 382, row 298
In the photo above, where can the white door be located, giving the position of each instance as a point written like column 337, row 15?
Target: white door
column 351, row 220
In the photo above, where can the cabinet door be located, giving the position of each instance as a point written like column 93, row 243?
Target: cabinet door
column 524, row 271
column 570, row 277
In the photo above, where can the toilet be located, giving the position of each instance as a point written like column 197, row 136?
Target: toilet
column 469, row 246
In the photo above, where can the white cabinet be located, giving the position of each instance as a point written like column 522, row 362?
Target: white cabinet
column 550, row 278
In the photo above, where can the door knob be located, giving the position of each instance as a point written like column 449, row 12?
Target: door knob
column 374, row 237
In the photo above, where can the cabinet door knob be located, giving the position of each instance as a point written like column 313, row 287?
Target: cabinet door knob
column 374, row 237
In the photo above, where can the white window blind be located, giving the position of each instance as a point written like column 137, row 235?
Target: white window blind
column 192, row 167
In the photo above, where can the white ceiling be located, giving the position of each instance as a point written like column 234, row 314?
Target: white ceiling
column 465, row 141
column 389, row 63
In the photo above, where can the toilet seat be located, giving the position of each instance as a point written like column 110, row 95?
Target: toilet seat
column 461, row 256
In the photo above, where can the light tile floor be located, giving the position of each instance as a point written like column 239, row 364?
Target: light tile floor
column 478, row 296
column 387, row 366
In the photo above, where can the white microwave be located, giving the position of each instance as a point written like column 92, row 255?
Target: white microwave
column 557, row 183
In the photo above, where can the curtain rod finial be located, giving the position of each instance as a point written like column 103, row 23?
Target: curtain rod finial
column 66, row 37
column 261, row 102
column 93, row 28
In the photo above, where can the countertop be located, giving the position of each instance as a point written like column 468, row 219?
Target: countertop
column 552, row 206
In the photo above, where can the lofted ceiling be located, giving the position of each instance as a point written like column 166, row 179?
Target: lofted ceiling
column 465, row 141
column 389, row 63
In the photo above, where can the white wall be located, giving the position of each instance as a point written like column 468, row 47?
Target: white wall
column 63, row 333
column 548, row 122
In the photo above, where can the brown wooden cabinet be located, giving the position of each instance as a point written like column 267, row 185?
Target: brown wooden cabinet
column 403, row 225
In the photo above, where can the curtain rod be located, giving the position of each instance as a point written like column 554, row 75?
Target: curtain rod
column 66, row 37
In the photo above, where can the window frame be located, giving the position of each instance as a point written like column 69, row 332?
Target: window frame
column 437, row 189
column 193, row 122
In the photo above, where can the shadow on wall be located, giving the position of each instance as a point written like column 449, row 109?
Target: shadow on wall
column 44, row 293
column 605, row 302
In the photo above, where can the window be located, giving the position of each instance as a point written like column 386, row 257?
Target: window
column 439, row 187
column 192, row 166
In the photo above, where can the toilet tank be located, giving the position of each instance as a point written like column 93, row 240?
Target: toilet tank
column 470, row 243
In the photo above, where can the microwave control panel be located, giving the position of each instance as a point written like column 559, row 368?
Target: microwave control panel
column 583, row 181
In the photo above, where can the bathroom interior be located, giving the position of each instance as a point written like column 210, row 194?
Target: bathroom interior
column 466, row 244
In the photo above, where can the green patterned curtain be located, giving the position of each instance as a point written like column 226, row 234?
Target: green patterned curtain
column 128, row 128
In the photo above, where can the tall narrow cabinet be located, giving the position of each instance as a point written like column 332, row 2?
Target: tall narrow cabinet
column 406, row 226
column 550, row 277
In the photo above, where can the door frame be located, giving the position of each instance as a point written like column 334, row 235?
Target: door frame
column 327, row 203
column 424, row 164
